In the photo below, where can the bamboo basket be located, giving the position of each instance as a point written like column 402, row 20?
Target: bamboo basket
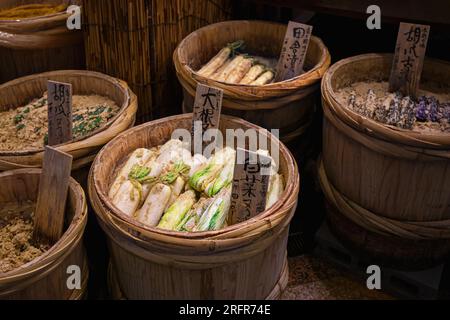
column 46, row 276
column 151, row 263
column 388, row 181
column 39, row 44
column 288, row 105
column 134, row 41
column 20, row 91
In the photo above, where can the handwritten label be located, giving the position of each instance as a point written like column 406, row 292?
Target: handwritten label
column 408, row 59
column 293, row 53
column 206, row 112
column 52, row 196
column 59, row 112
column 250, row 185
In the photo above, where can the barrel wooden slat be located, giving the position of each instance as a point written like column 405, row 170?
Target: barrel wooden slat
column 46, row 276
column 151, row 263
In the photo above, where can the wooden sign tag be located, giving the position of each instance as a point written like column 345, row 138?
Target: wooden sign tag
column 293, row 53
column 250, row 185
column 206, row 113
column 59, row 96
column 408, row 58
column 52, row 196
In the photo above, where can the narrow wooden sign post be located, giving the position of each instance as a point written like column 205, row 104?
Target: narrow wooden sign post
column 250, row 185
column 51, row 200
column 408, row 59
column 206, row 113
column 59, row 96
column 293, row 53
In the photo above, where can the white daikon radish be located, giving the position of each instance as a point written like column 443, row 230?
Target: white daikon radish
column 127, row 198
column 154, row 205
column 138, row 157
column 253, row 74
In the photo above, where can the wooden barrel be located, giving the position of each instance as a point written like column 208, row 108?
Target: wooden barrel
column 21, row 91
column 242, row 261
column 46, row 276
column 391, row 182
column 39, row 44
column 288, row 105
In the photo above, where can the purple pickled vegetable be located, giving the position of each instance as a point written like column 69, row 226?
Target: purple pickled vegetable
column 433, row 107
column 421, row 111
column 445, row 111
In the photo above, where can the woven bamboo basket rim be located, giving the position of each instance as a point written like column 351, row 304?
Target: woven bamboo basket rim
column 417, row 230
column 117, row 293
column 42, row 265
column 247, row 92
column 371, row 127
column 37, row 22
column 128, row 97
column 291, row 189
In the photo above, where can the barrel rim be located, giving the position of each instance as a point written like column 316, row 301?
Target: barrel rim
column 293, row 186
column 119, row 84
column 54, row 17
column 269, row 90
column 439, row 140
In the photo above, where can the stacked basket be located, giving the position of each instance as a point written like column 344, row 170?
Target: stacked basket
column 389, row 193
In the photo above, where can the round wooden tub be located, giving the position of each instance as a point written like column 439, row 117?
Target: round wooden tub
column 21, row 91
column 288, row 105
column 390, row 182
column 46, row 276
column 243, row 261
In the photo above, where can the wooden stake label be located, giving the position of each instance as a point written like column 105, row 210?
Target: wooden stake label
column 206, row 113
column 59, row 112
column 250, row 185
column 293, row 53
column 52, row 196
column 408, row 59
